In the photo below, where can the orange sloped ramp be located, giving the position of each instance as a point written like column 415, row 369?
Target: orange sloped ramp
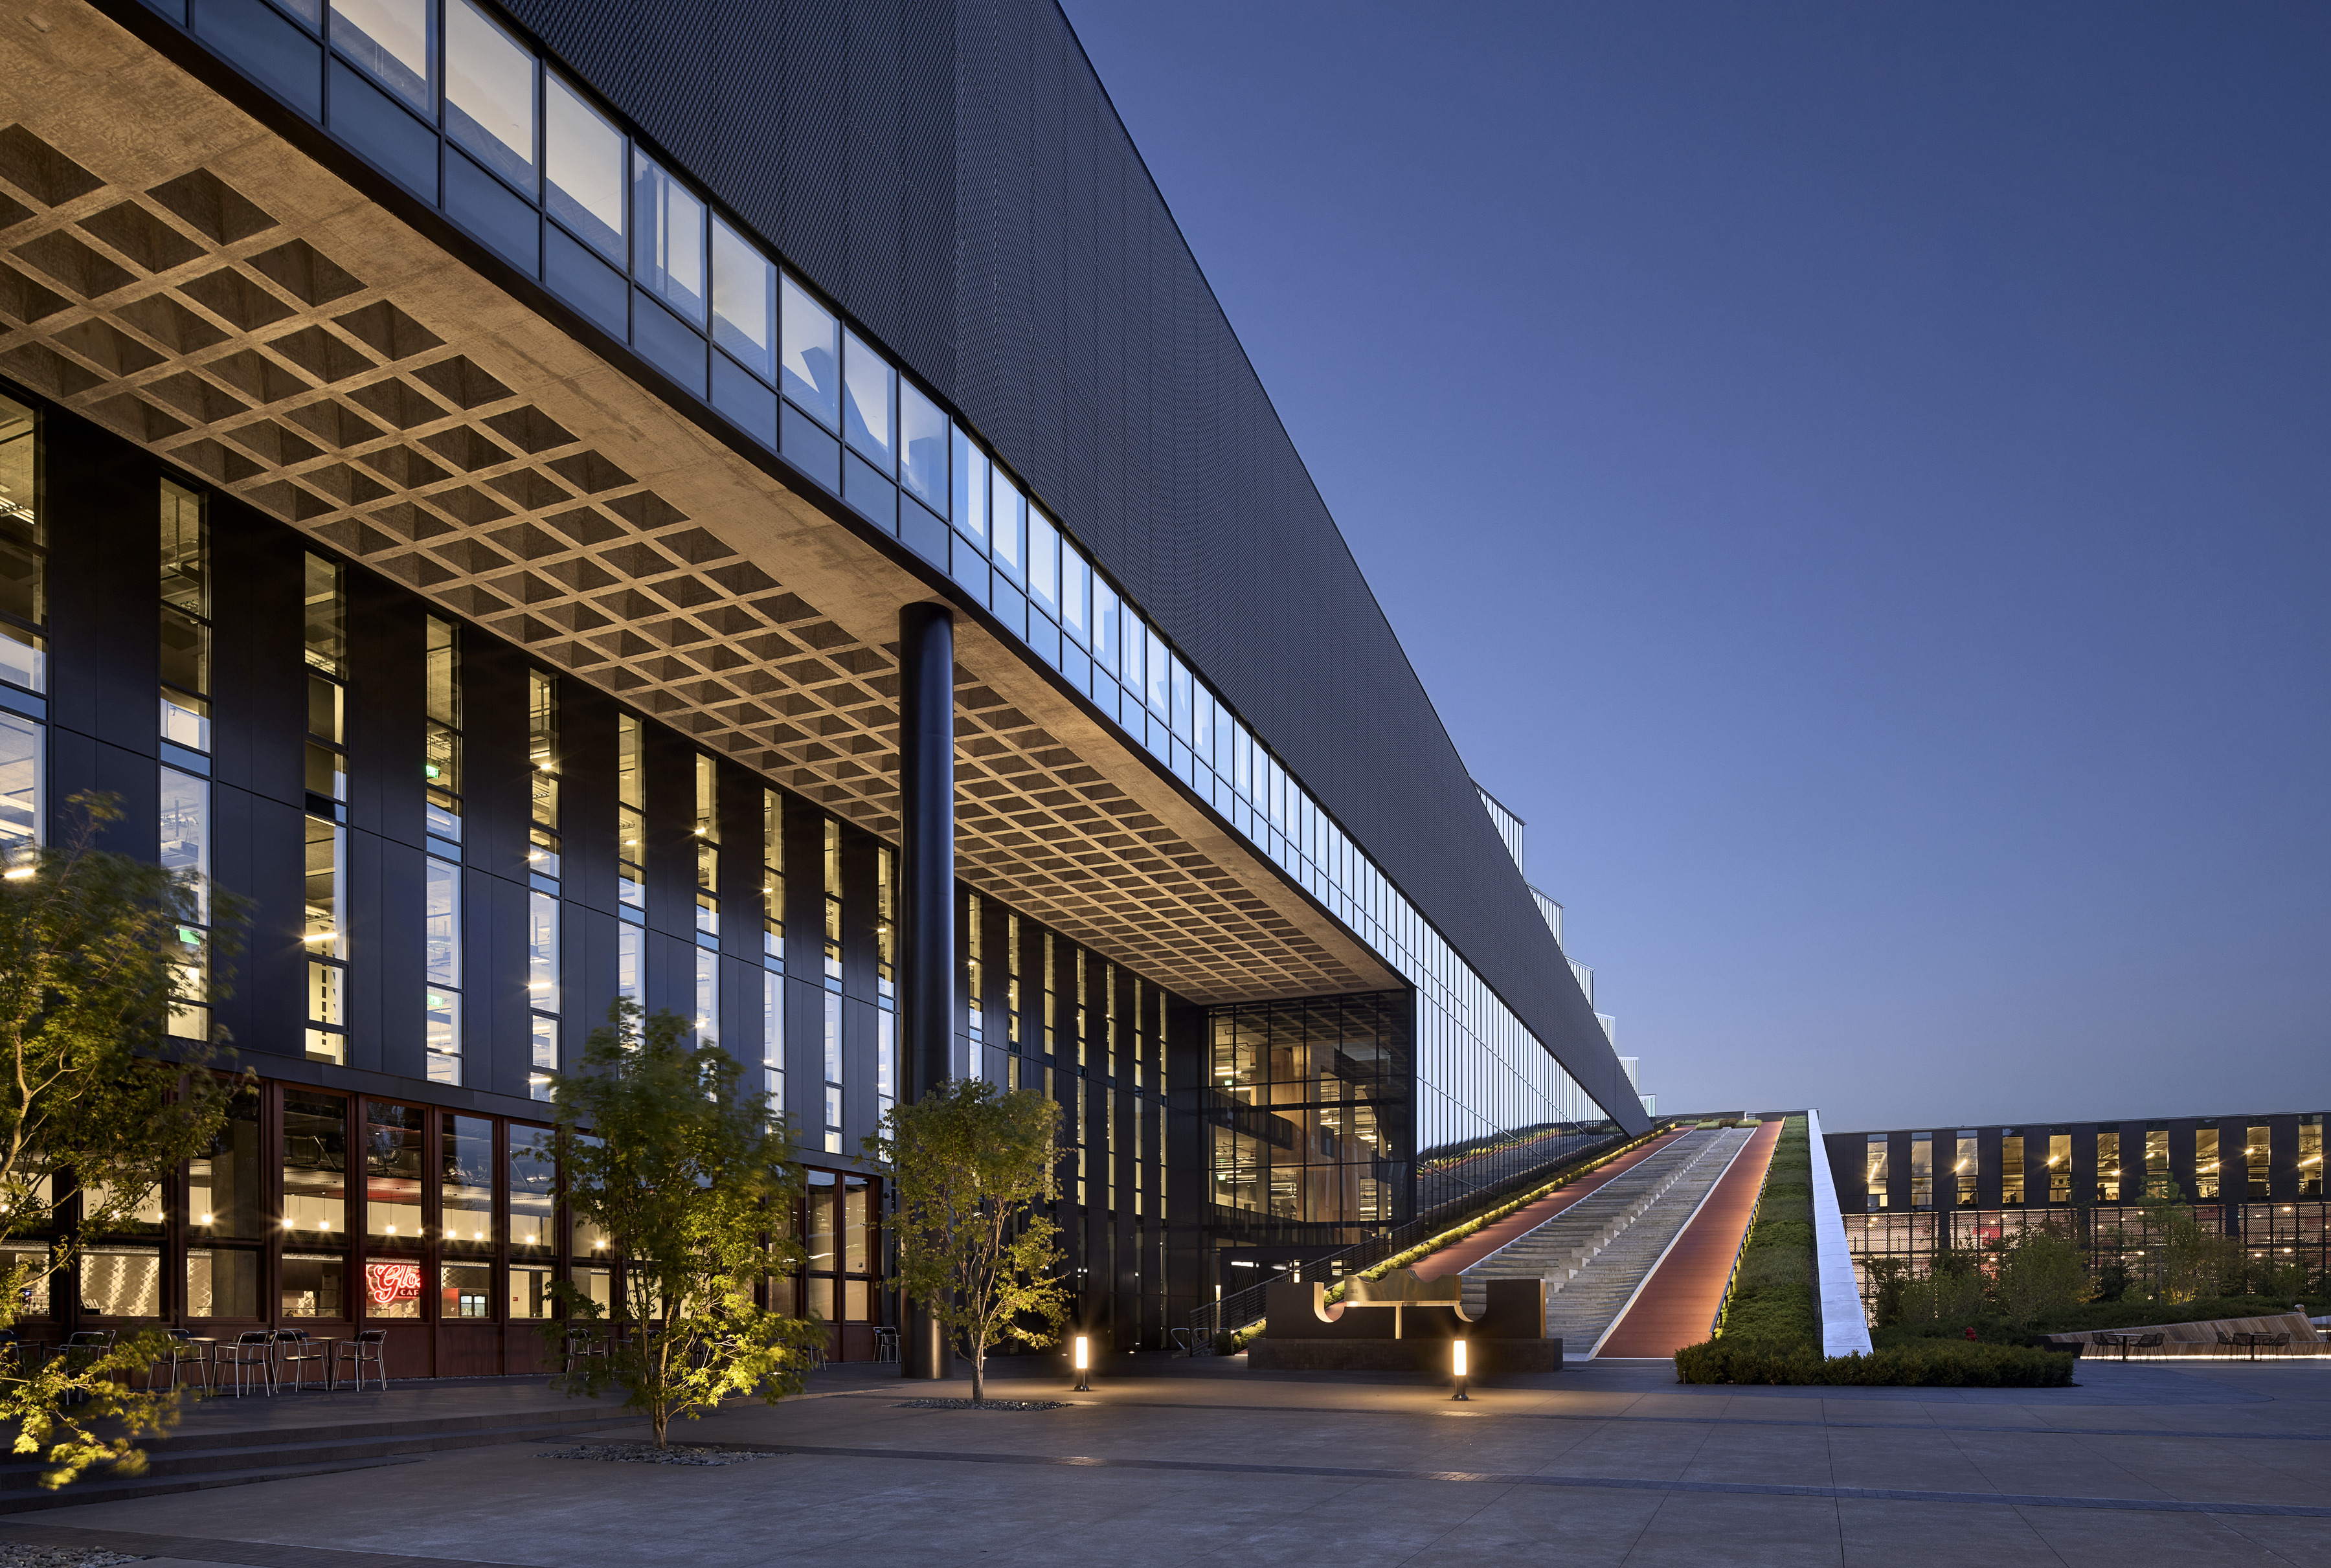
column 1678, row 1302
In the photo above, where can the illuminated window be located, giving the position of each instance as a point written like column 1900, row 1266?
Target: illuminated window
column 2108, row 1165
column 630, row 816
column 2206, row 1171
column 2258, row 1153
column 1875, row 1176
column 1964, row 1168
column 542, row 848
column 2010, row 1170
column 185, row 632
column 2059, row 1167
column 1922, row 1170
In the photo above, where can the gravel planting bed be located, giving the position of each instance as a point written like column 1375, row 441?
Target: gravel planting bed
column 1004, row 1404
column 638, row 1454
column 14, row 1555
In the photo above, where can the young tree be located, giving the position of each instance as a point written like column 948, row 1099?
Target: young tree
column 2039, row 1271
column 969, row 1164
column 690, row 1181
column 94, row 949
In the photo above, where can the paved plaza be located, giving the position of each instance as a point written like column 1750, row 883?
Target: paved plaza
column 1609, row 1463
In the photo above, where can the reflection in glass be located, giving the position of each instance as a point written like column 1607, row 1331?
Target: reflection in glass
column 971, row 481
column 812, row 354
column 868, row 383
column 923, row 446
column 390, row 40
column 744, row 301
column 582, row 157
column 667, row 239
column 490, row 94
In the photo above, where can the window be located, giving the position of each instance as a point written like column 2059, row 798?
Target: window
column 185, row 632
column 886, row 961
column 975, row 975
column 631, row 963
column 2205, row 1162
column 542, row 992
column 772, row 1039
column 772, row 878
column 1043, row 563
column 970, row 485
column 441, row 761
column 832, row 1000
column 222, row 1185
column 2311, row 1156
column 389, row 40
column 392, row 1165
column 315, row 1285
column 812, row 366
column 2157, row 1183
column 2059, row 1167
column 465, row 1183
column 441, row 945
column 631, row 818
column 582, row 156
column 1922, row 1172
column 923, row 448
column 2258, row 1153
column 325, row 632
column 868, row 385
column 744, row 301
column 185, row 853
column 708, row 849
column 1873, row 1176
column 2010, row 1171
column 490, row 94
column 668, row 240
column 20, row 793
column 1008, row 522
column 706, row 1019
column 2108, row 1165
column 315, row 1164
column 325, row 934
column 223, row 1282
column 533, row 1192
column 542, row 848
column 24, row 562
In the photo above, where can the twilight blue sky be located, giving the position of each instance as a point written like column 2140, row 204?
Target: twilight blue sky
column 1854, row 477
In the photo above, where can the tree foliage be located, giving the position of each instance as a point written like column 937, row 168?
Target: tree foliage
column 690, row 1181
column 969, row 1164
column 94, row 947
column 2039, row 1270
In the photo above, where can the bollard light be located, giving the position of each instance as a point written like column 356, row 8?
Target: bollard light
column 1456, row 1365
column 1081, row 1354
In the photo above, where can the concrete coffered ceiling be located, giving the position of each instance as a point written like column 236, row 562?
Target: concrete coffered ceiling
column 184, row 275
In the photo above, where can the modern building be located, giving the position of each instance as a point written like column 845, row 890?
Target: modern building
column 2257, row 1178
column 523, row 495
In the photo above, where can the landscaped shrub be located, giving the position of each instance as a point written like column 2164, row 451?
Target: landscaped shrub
column 1932, row 1364
column 1773, row 1302
column 2128, row 1312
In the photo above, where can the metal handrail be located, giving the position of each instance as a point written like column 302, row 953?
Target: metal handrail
column 1245, row 1306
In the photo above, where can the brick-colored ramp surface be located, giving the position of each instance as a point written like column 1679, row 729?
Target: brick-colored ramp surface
column 1677, row 1303
column 1461, row 1255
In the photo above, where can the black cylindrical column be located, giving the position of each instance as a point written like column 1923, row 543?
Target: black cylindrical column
column 926, row 898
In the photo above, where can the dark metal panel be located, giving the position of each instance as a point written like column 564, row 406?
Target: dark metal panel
column 951, row 172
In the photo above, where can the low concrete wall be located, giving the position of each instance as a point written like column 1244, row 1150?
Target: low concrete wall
column 2303, row 1334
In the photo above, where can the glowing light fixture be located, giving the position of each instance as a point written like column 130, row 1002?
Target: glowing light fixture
column 1081, row 1353
column 1459, row 1367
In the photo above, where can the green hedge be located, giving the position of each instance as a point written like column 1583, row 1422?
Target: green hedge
column 1773, row 1302
column 1937, row 1364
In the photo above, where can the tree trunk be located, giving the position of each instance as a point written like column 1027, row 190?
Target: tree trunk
column 979, row 1372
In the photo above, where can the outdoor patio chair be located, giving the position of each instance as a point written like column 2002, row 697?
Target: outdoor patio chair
column 81, row 1349
column 251, row 1359
column 295, row 1350
column 185, row 1350
column 369, row 1348
column 582, row 1343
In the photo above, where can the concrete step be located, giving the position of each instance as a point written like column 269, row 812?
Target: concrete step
column 199, row 1460
column 1595, row 1255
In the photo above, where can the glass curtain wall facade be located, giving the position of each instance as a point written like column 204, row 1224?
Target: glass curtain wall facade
column 2071, row 1178
column 447, row 98
column 463, row 780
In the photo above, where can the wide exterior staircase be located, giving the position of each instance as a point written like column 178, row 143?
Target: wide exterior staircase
column 227, row 1442
column 1595, row 1254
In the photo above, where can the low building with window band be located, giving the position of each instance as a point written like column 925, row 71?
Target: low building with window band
column 538, row 437
column 2257, row 1178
